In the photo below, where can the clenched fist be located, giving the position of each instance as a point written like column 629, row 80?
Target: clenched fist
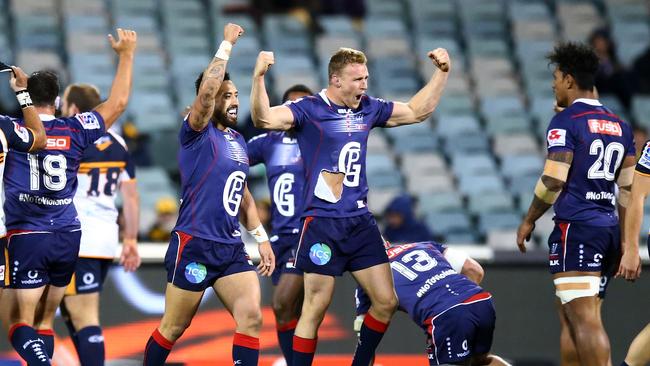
column 440, row 58
column 264, row 60
column 232, row 32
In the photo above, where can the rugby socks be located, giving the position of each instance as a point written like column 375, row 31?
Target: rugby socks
column 245, row 349
column 29, row 345
column 285, row 337
column 303, row 351
column 157, row 349
column 371, row 334
column 91, row 346
column 47, row 335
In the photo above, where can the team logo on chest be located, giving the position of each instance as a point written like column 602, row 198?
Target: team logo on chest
column 235, row 151
column 284, row 200
column 349, row 163
column 350, row 123
column 232, row 192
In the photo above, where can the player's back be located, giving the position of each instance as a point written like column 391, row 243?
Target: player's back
column 599, row 141
column 40, row 186
column 103, row 166
column 213, row 166
column 425, row 282
column 285, row 173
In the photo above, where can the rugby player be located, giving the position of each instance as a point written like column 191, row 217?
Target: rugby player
column 438, row 288
column 206, row 249
column 106, row 166
column 630, row 268
column 279, row 152
column 338, row 232
column 590, row 152
column 43, row 229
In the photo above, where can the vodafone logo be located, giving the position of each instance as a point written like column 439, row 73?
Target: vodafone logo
column 604, row 127
column 58, row 143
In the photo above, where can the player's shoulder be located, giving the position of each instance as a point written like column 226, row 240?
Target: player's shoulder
column 306, row 101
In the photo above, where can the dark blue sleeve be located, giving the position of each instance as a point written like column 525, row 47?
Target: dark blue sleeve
column 560, row 135
column 383, row 110
column 300, row 109
column 19, row 138
column 643, row 165
column 362, row 301
column 90, row 125
column 188, row 136
column 256, row 149
column 439, row 247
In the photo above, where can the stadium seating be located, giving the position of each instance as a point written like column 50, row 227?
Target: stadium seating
column 473, row 164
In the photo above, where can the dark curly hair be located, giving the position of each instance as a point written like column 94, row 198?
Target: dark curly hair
column 577, row 60
column 199, row 79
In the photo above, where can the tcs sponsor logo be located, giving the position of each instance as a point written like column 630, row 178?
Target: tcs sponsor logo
column 58, row 143
column 195, row 272
column 320, row 254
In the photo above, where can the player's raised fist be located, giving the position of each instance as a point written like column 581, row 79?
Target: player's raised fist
column 264, row 60
column 18, row 79
column 126, row 41
column 440, row 58
column 232, row 32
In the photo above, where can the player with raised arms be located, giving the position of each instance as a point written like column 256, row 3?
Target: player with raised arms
column 43, row 228
column 338, row 232
column 206, row 249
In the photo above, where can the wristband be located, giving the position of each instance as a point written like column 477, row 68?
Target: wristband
column 224, row 50
column 259, row 234
column 24, row 98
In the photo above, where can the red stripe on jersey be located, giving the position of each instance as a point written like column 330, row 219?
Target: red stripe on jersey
column 595, row 112
column 477, row 297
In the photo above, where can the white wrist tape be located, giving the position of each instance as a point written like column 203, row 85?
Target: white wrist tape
column 224, row 51
column 24, row 98
column 259, row 234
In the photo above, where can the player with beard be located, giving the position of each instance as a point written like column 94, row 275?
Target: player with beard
column 206, row 249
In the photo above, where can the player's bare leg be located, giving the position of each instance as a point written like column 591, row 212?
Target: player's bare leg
column 377, row 282
column 18, row 311
column 287, row 298
column 639, row 352
column 180, row 307
column 287, row 301
column 45, row 313
column 568, row 352
column 318, row 296
column 83, row 309
column 81, row 314
column 592, row 343
column 240, row 294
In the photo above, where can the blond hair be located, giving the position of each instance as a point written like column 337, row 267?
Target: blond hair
column 344, row 56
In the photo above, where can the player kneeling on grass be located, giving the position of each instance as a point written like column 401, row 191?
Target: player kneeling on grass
column 438, row 288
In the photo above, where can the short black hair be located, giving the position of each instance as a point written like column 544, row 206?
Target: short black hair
column 298, row 88
column 578, row 60
column 197, row 83
column 43, row 88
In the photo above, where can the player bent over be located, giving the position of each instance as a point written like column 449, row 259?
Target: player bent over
column 338, row 232
column 285, row 172
column 206, row 249
column 590, row 152
column 456, row 314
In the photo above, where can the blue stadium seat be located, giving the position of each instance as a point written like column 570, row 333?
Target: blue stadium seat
column 480, row 203
column 498, row 221
column 440, row 202
column 474, row 184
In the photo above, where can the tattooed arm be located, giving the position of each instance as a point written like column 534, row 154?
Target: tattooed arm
column 203, row 106
column 547, row 190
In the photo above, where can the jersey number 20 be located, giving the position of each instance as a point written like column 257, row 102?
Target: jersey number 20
column 602, row 167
